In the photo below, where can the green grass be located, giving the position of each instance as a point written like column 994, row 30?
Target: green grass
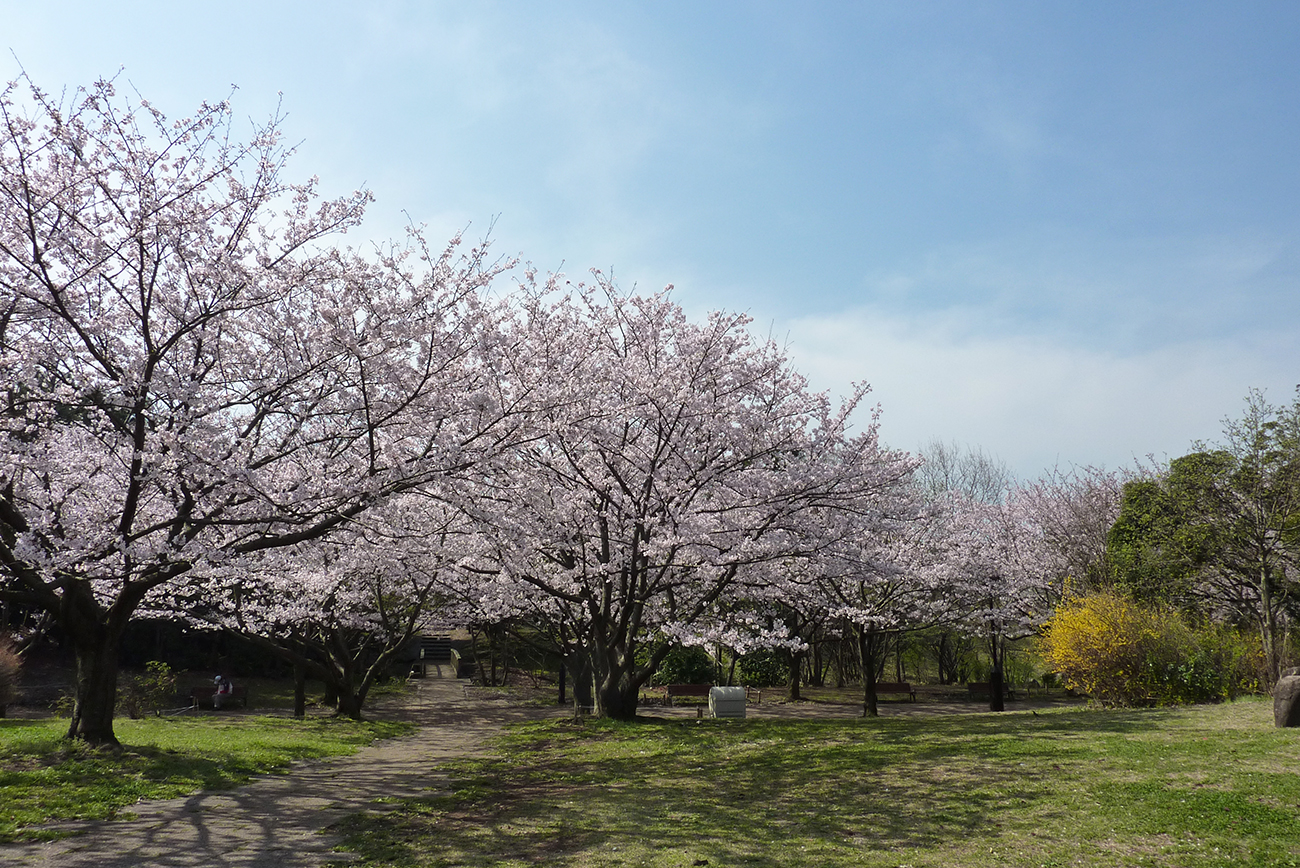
column 1199, row 786
column 45, row 778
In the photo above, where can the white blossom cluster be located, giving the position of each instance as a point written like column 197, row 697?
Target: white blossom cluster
column 214, row 411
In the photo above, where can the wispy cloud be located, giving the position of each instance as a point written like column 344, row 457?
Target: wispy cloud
column 1121, row 294
column 1030, row 398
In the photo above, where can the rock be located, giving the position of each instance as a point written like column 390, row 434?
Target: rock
column 1286, row 701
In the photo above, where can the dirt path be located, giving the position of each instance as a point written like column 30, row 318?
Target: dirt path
column 276, row 821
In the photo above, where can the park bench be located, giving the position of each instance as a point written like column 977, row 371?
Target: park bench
column 700, row 691
column 883, row 687
column 201, row 697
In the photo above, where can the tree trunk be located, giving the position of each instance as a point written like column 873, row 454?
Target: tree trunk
column 1268, row 629
column 349, row 682
column 505, row 657
column 999, row 652
column 583, row 680
column 615, row 691
column 96, row 688
column 946, row 673
column 350, row 703
column 616, row 702
column 796, row 670
column 299, row 691
column 96, row 635
column 867, row 642
column 616, row 680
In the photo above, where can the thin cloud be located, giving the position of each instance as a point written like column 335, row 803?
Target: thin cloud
column 1031, row 398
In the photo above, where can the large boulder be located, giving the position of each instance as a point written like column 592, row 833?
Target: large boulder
column 1286, row 699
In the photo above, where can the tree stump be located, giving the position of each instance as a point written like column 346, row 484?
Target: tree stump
column 1286, row 699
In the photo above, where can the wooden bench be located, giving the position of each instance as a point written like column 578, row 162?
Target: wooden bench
column 883, row 687
column 201, row 697
column 699, row 691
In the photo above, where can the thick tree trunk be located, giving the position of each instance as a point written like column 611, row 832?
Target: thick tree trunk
column 867, row 650
column 96, row 635
column 615, row 691
column 350, row 703
column 996, row 691
column 96, row 689
column 616, row 701
column 796, row 670
column 299, row 691
column 616, row 680
column 349, row 683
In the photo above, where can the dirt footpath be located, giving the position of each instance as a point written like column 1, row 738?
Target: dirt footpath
column 276, row 821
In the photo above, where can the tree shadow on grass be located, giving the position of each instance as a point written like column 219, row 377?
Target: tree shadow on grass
column 755, row 791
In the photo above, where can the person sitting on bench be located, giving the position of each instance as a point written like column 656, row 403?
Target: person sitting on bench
column 223, row 689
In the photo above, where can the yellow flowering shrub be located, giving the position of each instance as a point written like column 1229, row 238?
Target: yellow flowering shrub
column 1122, row 652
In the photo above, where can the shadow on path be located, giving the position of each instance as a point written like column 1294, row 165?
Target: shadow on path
column 276, row 820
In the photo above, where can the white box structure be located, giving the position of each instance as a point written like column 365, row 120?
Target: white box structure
column 727, row 702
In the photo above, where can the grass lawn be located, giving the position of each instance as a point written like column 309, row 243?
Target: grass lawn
column 1201, row 786
column 44, row 778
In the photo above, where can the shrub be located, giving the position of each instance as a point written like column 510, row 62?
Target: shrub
column 766, row 668
column 150, row 691
column 10, row 668
column 686, row 666
column 1122, row 652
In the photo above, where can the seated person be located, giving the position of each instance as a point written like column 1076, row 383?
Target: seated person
column 223, row 689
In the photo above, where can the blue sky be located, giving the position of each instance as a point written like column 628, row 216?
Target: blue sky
column 1061, row 232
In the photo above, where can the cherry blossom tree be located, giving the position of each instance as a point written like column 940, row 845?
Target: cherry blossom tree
column 1074, row 511
column 1012, row 548
column 949, row 468
column 1012, row 561
column 194, row 370
column 1001, row 601
column 345, row 608
column 679, row 468
column 883, row 585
